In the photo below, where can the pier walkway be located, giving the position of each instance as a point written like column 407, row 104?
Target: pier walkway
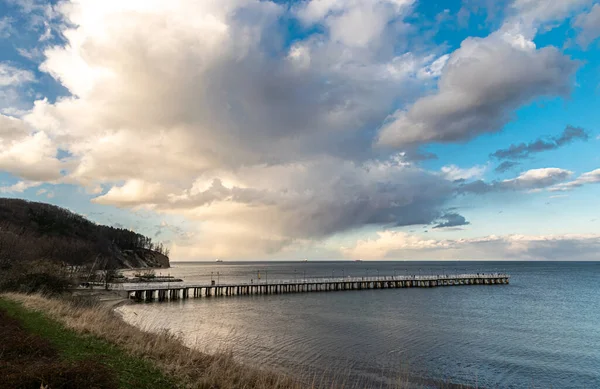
column 162, row 291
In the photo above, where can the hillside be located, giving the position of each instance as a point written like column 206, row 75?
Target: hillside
column 31, row 231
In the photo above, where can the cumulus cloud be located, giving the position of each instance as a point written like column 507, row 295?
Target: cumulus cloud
column 217, row 119
column 400, row 245
column 486, row 79
column 266, row 144
column 530, row 180
column 524, row 150
column 589, row 26
column 208, row 94
column 26, row 154
column 315, row 199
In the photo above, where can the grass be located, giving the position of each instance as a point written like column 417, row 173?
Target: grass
column 76, row 349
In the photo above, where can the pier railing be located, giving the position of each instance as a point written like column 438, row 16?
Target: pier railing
column 311, row 280
column 175, row 290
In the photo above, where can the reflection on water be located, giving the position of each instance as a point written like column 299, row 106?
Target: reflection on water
column 541, row 331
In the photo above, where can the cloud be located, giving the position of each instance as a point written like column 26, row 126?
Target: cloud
column 26, row 154
column 454, row 173
column 452, row 220
column 400, row 245
column 313, row 200
column 484, row 81
column 19, row 187
column 266, row 144
column 524, row 150
column 589, row 26
column 341, row 18
column 5, row 27
column 506, row 166
column 220, row 120
column 536, row 12
column 12, row 76
column 133, row 192
column 592, row 177
column 13, row 84
column 530, row 180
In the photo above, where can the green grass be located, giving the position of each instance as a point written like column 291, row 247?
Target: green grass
column 132, row 372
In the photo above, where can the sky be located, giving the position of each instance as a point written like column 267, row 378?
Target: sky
column 319, row 129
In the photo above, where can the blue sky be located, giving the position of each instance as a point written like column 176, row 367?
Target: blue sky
column 246, row 129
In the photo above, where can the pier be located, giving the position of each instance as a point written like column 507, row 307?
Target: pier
column 184, row 290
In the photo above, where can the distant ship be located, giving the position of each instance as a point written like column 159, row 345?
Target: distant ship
column 305, row 260
column 358, row 260
column 219, row 260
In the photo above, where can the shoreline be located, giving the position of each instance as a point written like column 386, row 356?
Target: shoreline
column 190, row 367
column 110, row 299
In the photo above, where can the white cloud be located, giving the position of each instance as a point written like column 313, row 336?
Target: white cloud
column 19, row 187
column 133, row 192
column 536, row 178
column 13, row 84
column 400, row 245
column 26, row 154
column 592, row 177
column 5, row 27
column 532, row 180
column 532, row 13
column 453, row 172
column 12, row 76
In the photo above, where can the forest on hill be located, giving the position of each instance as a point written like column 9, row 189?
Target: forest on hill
column 36, row 236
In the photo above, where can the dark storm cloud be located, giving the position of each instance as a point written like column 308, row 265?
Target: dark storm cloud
column 506, row 166
column 452, row 220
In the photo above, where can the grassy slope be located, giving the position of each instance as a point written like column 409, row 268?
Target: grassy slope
column 132, row 372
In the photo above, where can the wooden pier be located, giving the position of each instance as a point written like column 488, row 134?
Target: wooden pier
column 184, row 290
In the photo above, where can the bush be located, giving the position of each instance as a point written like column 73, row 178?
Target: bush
column 46, row 283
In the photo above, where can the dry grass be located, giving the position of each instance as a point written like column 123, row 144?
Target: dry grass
column 192, row 368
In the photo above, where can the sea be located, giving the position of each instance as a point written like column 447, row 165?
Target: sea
column 540, row 331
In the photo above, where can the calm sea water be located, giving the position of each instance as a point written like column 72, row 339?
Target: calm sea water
column 541, row 331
